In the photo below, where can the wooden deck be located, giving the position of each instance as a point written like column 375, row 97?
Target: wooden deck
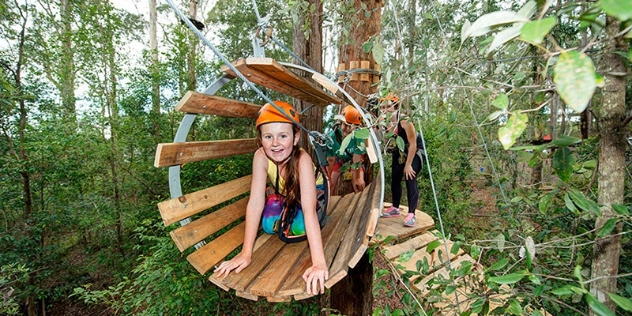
column 405, row 247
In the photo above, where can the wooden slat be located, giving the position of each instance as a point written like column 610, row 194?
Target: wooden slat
column 270, row 74
column 394, row 226
column 245, row 295
column 338, row 269
column 362, row 239
column 216, row 250
column 188, row 235
column 295, row 285
column 171, row 154
column 190, row 204
column 393, row 251
column 201, row 103
column 259, row 261
column 272, row 277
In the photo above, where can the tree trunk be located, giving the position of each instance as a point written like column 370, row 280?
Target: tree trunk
column 310, row 50
column 352, row 296
column 191, row 74
column 606, row 251
column 67, row 67
column 153, row 47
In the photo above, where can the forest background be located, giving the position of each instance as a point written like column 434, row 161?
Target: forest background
column 87, row 92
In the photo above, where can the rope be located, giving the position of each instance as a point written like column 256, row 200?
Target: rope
column 230, row 65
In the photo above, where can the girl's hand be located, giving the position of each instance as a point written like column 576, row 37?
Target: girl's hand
column 240, row 262
column 409, row 172
column 312, row 277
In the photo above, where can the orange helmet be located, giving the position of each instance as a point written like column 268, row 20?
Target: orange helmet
column 390, row 97
column 269, row 114
column 352, row 116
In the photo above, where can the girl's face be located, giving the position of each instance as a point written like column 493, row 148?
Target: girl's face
column 278, row 140
column 347, row 128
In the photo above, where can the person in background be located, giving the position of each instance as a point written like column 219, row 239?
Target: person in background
column 349, row 120
column 406, row 163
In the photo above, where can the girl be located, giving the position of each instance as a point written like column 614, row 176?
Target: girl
column 406, row 163
column 280, row 154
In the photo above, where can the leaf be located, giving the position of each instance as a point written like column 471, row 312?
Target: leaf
column 622, row 10
column 570, row 205
column 514, row 307
column 504, row 36
column 484, row 24
column 400, row 143
column 492, row 117
column 378, row 52
column 607, row 227
column 432, row 246
column 345, row 144
column 507, row 279
column 623, row 302
column 362, row 133
column 501, row 102
column 500, row 242
column 565, row 140
column 584, row 203
column 563, row 161
column 600, row 308
column 475, row 252
column 590, row 164
column 498, row 264
column 528, row 9
column 544, row 203
column 535, row 31
column 621, row 209
column 575, row 79
column 455, row 248
column 516, row 124
column 564, row 290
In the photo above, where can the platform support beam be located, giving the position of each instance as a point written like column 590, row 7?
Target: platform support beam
column 352, row 296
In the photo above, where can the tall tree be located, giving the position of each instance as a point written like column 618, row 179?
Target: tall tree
column 154, row 68
column 612, row 166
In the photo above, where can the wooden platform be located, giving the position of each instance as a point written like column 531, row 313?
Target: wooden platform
column 407, row 250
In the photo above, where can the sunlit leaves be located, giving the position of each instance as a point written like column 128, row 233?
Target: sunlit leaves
column 535, row 31
column 607, row 227
column 501, row 102
column 622, row 10
column 575, row 79
column 623, row 302
column 598, row 307
column 485, row 23
column 516, row 124
column 508, row 278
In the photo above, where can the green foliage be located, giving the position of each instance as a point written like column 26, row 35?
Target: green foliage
column 12, row 277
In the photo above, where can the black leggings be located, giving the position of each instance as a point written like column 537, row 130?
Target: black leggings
column 397, row 171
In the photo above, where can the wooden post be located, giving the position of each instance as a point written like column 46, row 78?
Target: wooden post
column 365, row 64
column 353, row 295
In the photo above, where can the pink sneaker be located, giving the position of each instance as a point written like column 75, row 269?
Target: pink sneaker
column 391, row 212
column 410, row 220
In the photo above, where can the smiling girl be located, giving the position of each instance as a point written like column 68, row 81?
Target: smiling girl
column 281, row 161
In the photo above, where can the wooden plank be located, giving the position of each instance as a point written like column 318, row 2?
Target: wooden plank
column 279, row 299
column 259, row 261
column 276, row 272
column 374, row 213
column 270, row 74
column 394, row 226
column 190, row 204
column 246, row 295
column 202, row 103
column 340, row 265
column 295, row 285
column 171, row 154
column 393, row 251
column 190, row 234
column 216, row 250
column 361, row 240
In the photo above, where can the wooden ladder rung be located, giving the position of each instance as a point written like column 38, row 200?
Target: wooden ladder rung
column 171, row 154
column 201, row 103
column 270, row 74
